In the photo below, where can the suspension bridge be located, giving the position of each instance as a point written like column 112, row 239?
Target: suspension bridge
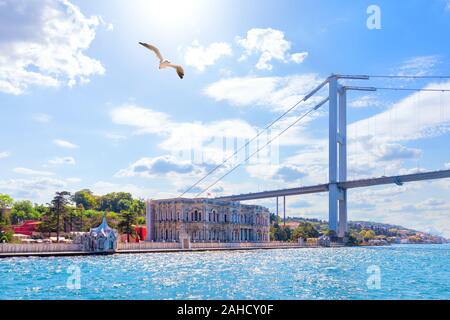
column 337, row 184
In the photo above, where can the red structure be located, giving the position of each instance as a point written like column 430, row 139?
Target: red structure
column 140, row 234
column 27, row 228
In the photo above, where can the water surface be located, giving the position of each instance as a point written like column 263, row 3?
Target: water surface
column 406, row 272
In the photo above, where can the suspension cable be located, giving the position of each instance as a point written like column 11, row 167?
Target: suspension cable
column 409, row 77
column 265, row 145
column 412, row 89
column 305, row 98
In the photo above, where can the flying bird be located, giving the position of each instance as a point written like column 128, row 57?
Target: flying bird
column 162, row 62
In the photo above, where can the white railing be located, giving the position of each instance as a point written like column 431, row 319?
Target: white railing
column 148, row 245
column 231, row 245
column 72, row 247
column 39, row 247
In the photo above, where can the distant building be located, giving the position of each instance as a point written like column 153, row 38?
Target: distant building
column 28, row 227
column 206, row 220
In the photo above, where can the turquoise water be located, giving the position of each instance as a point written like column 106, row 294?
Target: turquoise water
column 406, row 272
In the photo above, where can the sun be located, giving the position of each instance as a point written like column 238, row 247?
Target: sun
column 173, row 14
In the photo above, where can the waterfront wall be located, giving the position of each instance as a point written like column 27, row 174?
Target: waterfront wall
column 148, row 245
column 6, row 248
column 236, row 245
column 39, row 247
column 204, row 245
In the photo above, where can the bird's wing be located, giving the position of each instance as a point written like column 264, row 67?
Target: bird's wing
column 178, row 68
column 154, row 49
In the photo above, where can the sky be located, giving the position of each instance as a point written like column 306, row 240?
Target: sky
column 83, row 105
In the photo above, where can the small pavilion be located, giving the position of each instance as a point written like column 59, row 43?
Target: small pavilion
column 100, row 239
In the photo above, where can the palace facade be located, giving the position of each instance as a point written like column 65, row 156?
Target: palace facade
column 208, row 220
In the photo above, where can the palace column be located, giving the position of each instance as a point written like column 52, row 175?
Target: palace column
column 149, row 220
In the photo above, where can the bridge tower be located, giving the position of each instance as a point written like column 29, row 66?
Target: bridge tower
column 337, row 157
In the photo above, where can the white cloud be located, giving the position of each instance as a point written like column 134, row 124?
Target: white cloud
column 299, row 57
column 42, row 118
column 447, row 165
column 31, row 172
column 418, row 66
column 62, row 160
column 144, row 120
column 395, row 151
column 286, row 173
column 43, row 44
column 270, row 44
column 4, row 154
column 365, row 101
column 420, row 115
column 38, row 189
column 160, row 166
column 182, row 135
column 65, row 144
column 278, row 93
column 200, row 57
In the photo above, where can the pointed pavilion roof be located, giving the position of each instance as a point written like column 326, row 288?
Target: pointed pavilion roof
column 102, row 228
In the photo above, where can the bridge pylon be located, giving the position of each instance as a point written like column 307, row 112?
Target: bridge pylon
column 337, row 152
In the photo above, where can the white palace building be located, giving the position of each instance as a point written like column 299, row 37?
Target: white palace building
column 207, row 220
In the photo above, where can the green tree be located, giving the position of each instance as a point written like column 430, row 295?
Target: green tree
column 6, row 235
column 127, row 220
column 58, row 208
column 85, row 198
column 353, row 238
column 367, row 234
column 5, row 202
column 23, row 210
column 305, row 230
column 278, row 233
column 40, row 209
column 110, row 201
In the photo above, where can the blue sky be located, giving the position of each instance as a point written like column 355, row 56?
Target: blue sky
column 84, row 106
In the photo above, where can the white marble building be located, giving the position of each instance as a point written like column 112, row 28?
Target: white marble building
column 206, row 220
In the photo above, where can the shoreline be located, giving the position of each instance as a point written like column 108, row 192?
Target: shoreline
column 176, row 250
column 85, row 253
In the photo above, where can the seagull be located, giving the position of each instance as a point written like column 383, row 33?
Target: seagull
column 164, row 63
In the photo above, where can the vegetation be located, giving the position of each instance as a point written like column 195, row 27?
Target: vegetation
column 305, row 230
column 280, row 233
column 68, row 212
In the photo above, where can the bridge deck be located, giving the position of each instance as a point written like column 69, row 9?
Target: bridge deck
column 399, row 180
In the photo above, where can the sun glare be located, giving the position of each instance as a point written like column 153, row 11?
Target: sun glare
column 173, row 14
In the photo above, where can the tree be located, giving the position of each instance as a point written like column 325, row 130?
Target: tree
column 23, row 210
column 110, row 201
column 278, row 233
column 128, row 219
column 305, row 230
column 86, row 199
column 353, row 239
column 5, row 201
column 367, row 234
column 58, row 207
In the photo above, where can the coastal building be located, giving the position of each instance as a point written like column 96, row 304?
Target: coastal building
column 100, row 239
column 208, row 220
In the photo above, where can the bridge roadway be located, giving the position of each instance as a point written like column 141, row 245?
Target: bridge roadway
column 398, row 180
